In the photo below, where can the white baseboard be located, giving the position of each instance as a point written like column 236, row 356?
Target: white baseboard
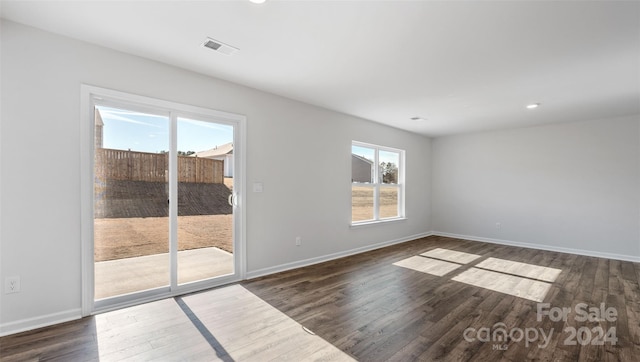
column 596, row 254
column 322, row 259
column 38, row 322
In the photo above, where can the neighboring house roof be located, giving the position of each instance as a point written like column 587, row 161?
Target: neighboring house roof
column 362, row 158
column 225, row 149
column 361, row 169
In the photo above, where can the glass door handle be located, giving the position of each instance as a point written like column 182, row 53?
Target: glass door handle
column 233, row 201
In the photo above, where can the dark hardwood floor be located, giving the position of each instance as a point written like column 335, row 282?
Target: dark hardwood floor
column 373, row 310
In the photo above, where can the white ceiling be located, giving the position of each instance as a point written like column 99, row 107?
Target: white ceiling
column 465, row 66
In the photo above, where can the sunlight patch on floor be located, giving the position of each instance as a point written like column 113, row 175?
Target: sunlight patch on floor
column 508, row 284
column 451, row 255
column 223, row 324
column 427, row 265
column 522, row 280
column 522, row 269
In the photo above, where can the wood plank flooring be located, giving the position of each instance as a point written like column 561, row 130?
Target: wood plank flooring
column 366, row 308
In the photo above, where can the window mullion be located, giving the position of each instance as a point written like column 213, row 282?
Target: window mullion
column 400, row 205
column 173, row 199
column 376, row 188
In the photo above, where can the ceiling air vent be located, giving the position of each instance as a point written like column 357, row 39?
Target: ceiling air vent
column 219, row 46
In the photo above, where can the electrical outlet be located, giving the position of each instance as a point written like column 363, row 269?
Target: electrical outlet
column 11, row 285
column 498, row 225
column 298, row 241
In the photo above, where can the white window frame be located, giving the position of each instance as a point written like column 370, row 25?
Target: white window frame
column 377, row 184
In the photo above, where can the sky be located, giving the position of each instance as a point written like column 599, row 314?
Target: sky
column 141, row 132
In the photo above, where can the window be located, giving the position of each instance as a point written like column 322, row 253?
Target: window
column 377, row 183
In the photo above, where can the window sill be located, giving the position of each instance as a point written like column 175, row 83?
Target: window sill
column 377, row 222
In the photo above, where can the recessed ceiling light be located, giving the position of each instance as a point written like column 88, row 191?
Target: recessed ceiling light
column 219, row 46
column 533, row 105
column 257, row 1
column 418, row 119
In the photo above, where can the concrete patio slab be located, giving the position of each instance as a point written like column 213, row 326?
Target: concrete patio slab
column 122, row 276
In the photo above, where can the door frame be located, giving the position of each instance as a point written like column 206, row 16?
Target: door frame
column 89, row 94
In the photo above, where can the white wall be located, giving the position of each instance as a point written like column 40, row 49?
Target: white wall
column 569, row 186
column 40, row 167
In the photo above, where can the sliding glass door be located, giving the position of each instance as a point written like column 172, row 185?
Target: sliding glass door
column 164, row 201
column 131, row 212
column 205, row 200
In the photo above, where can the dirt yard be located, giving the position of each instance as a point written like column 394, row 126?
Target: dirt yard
column 131, row 218
column 362, row 203
column 130, row 237
column 117, row 238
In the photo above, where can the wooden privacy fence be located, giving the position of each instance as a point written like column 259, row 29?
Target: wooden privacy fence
column 198, row 169
column 153, row 167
